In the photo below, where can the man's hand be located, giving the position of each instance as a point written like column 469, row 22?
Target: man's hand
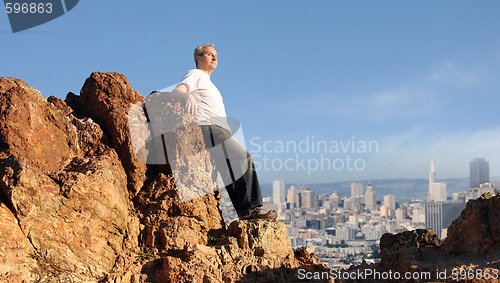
column 181, row 91
column 191, row 105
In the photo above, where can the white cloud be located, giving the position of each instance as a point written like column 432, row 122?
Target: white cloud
column 451, row 73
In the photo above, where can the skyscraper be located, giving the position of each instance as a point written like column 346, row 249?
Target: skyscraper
column 479, row 172
column 439, row 216
column 437, row 191
column 309, row 199
column 432, row 173
column 278, row 191
column 293, row 197
column 356, row 190
column 370, row 198
column 390, row 201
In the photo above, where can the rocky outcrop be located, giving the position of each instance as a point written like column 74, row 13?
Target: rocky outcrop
column 477, row 230
column 471, row 247
column 79, row 204
column 401, row 252
column 169, row 223
column 107, row 99
column 252, row 251
column 66, row 190
column 34, row 130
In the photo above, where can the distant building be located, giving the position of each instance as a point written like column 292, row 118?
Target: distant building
column 479, row 172
column 354, row 220
column 309, row 199
column 345, row 233
column 370, row 198
column 439, row 216
column 356, row 190
column 418, row 212
column 437, row 191
column 400, row 214
column 293, row 197
column 390, row 201
column 474, row 193
column 335, row 197
column 278, row 191
column 373, row 233
column 458, row 197
column 384, row 211
column 352, row 204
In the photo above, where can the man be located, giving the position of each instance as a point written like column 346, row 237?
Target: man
column 235, row 165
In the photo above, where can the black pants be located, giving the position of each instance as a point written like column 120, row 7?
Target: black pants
column 236, row 167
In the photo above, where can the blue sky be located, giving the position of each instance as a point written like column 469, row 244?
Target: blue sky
column 420, row 78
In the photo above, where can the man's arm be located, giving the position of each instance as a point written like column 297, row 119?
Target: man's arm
column 181, row 91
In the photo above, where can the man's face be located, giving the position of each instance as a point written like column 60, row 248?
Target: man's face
column 208, row 61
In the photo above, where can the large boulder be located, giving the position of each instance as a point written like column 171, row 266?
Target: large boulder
column 477, row 230
column 31, row 128
column 261, row 237
column 67, row 190
column 403, row 251
column 107, row 98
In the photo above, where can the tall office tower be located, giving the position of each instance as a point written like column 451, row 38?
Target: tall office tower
column 432, row 173
column 309, row 199
column 432, row 179
column 293, row 197
column 356, row 189
column 289, row 194
column 278, row 191
column 479, row 172
column 439, row 216
column 390, row 201
column 436, row 191
column 370, row 198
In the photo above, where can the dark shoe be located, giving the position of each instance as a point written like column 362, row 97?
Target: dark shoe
column 259, row 213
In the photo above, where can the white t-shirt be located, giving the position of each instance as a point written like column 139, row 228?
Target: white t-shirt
column 211, row 110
